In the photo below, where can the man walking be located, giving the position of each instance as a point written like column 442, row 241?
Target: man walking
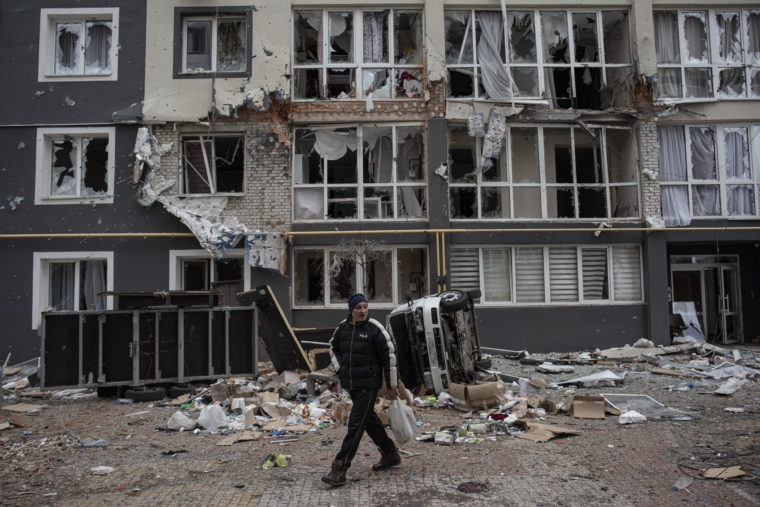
column 362, row 352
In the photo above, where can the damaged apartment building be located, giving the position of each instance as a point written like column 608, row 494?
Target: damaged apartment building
column 592, row 168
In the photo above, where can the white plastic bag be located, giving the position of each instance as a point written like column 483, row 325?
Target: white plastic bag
column 212, row 417
column 402, row 421
column 178, row 421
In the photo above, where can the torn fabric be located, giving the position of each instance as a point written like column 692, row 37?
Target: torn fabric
column 497, row 80
column 333, row 145
column 494, row 137
column 202, row 217
column 266, row 250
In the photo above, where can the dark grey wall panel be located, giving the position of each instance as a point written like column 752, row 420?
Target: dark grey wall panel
column 561, row 328
column 656, row 288
column 94, row 101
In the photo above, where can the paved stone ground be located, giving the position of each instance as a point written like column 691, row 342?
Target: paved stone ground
column 606, row 465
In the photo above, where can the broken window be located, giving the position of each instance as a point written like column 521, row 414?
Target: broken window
column 375, row 172
column 75, row 285
column 383, row 275
column 713, row 180
column 369, row 52
column 213, row 164
column 195, row 274
column 569, row 72
column 201, row 273
column 546, row 172
column 560, row 275
column 79, row 167
column 693, row 65
column 83, row 47
column 214, row 44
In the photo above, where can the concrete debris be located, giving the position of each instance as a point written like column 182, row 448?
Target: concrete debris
column 730, row 386
column 655, row 222
column 643, row 343
column 475, row 125
column 267, row 250
column 734, row 410
column 605, row 375
column 554, row 368
column 631, row 417
column 443, row 171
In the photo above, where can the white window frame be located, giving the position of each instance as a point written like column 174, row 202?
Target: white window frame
column 47, row 49
column 41, row 277
column 191, row 137
column 176, row 258
column 510, row 185
column 359, row 276
column 358, row 63
column 753, row 149
column 539, row 63
column 712, row 59
column 215, row 19
column 45, row 138
column 360, row 185
column 547, row 282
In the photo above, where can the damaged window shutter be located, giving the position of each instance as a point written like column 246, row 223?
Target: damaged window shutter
column 563, row 274
column 626, row 269
column 595, row 285
column 465, row 269
column 196, row 175
column 529, row 274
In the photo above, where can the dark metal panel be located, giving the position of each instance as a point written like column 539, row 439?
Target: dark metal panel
column 117, row 340
column 241, row 342
column 61, row 350
column 168, row 344
column 147, row 346
column 90, row 347
column 195, row 343
column 218, row 345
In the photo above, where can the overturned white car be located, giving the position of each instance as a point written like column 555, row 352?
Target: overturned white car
column 437, row 340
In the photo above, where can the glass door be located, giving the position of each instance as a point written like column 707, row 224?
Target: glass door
column 688, row 288
column 730, row 304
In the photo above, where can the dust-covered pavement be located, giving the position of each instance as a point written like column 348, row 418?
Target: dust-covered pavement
column 607, row 464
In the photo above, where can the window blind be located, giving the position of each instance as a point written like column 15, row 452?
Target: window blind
column 529, row 275
column 563, row 274
column 496, row 271
column 626, row 268
column 595, row 284
column 465, row 268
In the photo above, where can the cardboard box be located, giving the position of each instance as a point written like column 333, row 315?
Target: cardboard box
column 220, row 392
column 269, row 397
column 342, row 410
column 588, row 407
column 477, row 396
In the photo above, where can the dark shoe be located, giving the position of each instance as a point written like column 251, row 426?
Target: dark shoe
column 337, row 475
column 387, row 460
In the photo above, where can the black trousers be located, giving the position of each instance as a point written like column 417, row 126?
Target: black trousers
column 363, row 418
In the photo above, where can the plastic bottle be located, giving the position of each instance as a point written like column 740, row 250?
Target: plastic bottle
column 682, row 483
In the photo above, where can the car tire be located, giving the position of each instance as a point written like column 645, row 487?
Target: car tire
column 143, row 394
column 453, row 300
column 484, row 364
column 473, row 376
column 180, row 389
column 474, row 294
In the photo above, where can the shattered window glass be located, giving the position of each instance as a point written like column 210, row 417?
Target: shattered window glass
column 97, row 50
column 378, row 154
column 617, row 37
column 458, row 29
column 342, row 274
column 752, row 20
column 231, row 45
column 522, row 37
column 67, row 49
column 525, row 168
column 463, row 202
column 410, row 164
column 731, row 82
column 560, row 202
column 341, row 42
column 341, row 203
column 309, row 203
column 195, row 274
column 63, row 172
column 308, row 37
column 378, row 202
column 377, row 82
column 412, row 202
column 408, row 83
column 462, row 157
column 555, row 36
column 695, row 37
column 309, row 279
column 412, row 273
column 408, row 44
column 728, row 26
column 79, row 167
column 214, row 165
column 494, row 202
column 378, row 277
column 586, row 37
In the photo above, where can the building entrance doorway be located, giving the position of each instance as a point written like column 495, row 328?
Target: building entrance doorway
column 705, row 291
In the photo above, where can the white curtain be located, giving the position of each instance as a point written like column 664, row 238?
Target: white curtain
column 666, row 37
column 94, row 283
column 753, row 36
column 496, row 78
column 675, row 199
column 62, row 286
column 740, row 198
column 705, row 200
column 703, row 153
column 729, row 46
column 97, row 52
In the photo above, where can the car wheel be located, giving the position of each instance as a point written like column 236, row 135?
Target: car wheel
column 474, row 294
column 453, row 301
column 473, row 376
column 141, row 394
column 485, row 364
column 180, row 389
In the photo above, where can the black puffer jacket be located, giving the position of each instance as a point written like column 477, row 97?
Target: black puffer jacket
column 362, row 353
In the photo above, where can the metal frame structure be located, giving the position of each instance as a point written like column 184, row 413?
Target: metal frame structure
column 56, row 366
